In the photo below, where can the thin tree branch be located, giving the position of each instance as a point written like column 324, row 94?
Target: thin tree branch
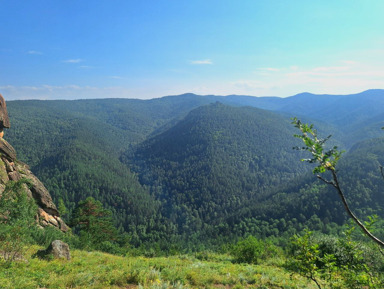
column 382, row 171
column 314, row 280
column 327, row 182
column 346, row 206
column 381, row 251
column 327, row 160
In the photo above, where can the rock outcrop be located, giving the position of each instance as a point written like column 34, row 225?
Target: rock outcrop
column 13, row 170
column 7, row 150
column 57, row 249
column 4, row 120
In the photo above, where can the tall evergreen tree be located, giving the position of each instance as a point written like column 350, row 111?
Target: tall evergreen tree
column 94, row 224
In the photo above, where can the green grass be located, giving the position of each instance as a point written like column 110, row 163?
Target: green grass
column 100, row 270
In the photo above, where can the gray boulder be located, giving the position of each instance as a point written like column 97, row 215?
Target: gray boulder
column 57, row 249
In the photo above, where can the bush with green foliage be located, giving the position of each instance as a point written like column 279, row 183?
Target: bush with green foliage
column 251, row 250
column 17, row 221
column 335, row 262
column 18, row 227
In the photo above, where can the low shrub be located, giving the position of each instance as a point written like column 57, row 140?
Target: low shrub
column 251, row 250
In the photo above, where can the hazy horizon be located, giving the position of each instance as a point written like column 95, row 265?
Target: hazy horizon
column 261, row 96
column 151, row 49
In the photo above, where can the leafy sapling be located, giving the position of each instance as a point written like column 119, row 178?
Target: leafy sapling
column 327, row 160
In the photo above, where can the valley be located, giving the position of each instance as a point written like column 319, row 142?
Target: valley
column 200, row 167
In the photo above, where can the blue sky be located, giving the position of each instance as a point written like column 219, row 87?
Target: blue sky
column 53, row 49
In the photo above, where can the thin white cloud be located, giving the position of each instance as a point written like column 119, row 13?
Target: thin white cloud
column 73, row 60
column 34, row 52
column 248, row 85
column 351, row 73
column 201, row 62
column 294, row 68
column 115, row 77
column 271, row 69
column 326, row 69
column 349, row 62
column 344, row 77
column 49, row 92
column 85, row 67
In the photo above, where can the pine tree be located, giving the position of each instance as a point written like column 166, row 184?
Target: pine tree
column 94, row 224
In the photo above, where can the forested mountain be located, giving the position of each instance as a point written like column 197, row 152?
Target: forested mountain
column 308, row 202
column 190, row 166
column 76, row 155
column 214, row 162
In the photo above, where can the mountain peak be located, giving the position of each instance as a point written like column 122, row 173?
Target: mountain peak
column 372, row 92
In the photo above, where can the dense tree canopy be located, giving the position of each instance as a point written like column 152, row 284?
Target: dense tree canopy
column 172, row 167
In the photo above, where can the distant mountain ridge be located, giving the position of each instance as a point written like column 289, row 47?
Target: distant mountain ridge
column 306, row 104
column 142, row 157
column 344, row 112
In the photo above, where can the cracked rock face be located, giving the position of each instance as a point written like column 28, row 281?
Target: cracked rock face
column 4, row 119
column 48, row 215
column 13, row 170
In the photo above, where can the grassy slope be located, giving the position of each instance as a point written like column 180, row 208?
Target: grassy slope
column 99, row 270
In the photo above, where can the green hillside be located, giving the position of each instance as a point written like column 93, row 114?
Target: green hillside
column 204, row 179
column 76, row 155
column 216, row 161
column 307, row 202
column 179, row 166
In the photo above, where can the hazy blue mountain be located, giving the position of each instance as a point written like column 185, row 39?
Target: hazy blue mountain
column 350, row 114
column 201, row 163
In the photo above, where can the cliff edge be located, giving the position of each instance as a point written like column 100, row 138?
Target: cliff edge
column 13, row 170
